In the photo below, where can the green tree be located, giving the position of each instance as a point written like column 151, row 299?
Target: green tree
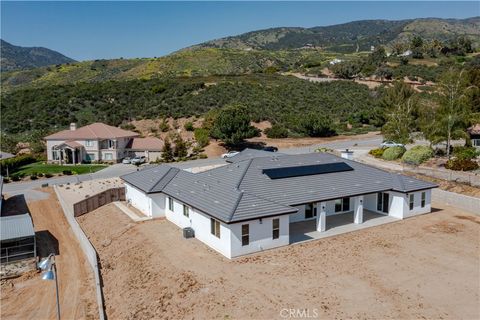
column 276, row 131
column 180, row 150
column 167, row 152
column 453, row 109
column 347, row 70
column 400, row 104
column 232, row 125
column 317, row 125
column 8, row 144
column 416, row 45
column 202, row 137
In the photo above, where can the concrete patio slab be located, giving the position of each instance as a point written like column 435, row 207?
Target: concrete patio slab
column 336, row 224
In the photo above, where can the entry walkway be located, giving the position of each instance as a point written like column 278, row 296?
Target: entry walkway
column 336, row 224
column 130, row 213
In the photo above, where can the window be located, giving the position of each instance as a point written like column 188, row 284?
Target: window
column 186, row 211
column 411, row 200
column 342, row 204
column 275, row 228
column 310, row 210
column 108, row 156
column 170, row 204
column 424, row 197
column 111, row 144
column 245, row 234
column 476, row 142
column 215, row 227
column 88, row 143
column 55, row 154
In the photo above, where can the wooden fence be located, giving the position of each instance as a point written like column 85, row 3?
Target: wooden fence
column 98, row 200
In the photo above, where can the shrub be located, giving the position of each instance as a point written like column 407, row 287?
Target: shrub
column 393, row 153
column 377, row 153
column 202, row 137
column 202, row 156
column 16, row 178
column 276, row 131
column 33, row 177
column 48, row 175
column 67, row 172
column 189, row 126
column 6, row 180
column 14, row 163
column 465, row 153
column 40, row 174
column 417, row 155
column 461, row 164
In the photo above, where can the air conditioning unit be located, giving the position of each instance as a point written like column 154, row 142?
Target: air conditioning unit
column 188, row 232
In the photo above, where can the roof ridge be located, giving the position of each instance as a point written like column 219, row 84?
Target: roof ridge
column 234, row 209
column 167, row 182
column 244, row 173
column 399, row 179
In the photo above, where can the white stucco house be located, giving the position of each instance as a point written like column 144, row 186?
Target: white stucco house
column 254, row 202
column 99, row 142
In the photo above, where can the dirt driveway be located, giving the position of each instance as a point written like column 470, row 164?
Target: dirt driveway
column 29, row 297
column 423, row 267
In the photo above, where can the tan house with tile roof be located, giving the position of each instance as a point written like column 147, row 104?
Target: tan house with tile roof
column 97, row 142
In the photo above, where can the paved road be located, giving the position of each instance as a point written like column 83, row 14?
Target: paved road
column 116, row 170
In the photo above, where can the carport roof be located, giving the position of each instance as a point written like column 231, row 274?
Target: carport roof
column 241, row 191
column 15, row 227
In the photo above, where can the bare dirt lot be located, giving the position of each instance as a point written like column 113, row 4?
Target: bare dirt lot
column 424, row 267
column 29, row 297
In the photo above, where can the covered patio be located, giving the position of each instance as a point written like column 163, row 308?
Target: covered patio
column 335, row 224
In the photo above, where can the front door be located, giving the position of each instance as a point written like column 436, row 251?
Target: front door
column 385, row 202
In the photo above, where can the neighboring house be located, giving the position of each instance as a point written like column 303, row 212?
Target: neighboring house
column 6, row 155
column 474, row 134
column 253, row 203
column 96, row 142
column 149, row 147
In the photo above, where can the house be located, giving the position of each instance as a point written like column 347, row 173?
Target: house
column 253, row 204
column 98, row 142
column 474, row 135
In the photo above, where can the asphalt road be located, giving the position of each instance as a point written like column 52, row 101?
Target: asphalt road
column 117, row 170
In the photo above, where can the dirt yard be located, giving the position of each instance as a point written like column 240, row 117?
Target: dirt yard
column 423, row 267
column 29, row 297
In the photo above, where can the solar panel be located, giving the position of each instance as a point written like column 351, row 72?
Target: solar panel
column 288, row 172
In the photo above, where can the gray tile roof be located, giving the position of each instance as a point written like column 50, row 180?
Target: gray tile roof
column 240, row 191
column 15, row 227
column 152, row 179
column 248, row 153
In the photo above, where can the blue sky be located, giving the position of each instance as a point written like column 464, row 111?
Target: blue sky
column 94, row 30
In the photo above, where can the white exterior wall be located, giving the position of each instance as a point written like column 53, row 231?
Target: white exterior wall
column 260, row 235
column 417, row 204
column 200, row 222
column 138, row 199
column 158, row 204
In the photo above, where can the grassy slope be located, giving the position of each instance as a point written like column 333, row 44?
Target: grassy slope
column 188, row 63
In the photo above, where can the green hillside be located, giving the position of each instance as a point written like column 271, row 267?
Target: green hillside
column 352, row 36
column 268, row 97
column 190, row 63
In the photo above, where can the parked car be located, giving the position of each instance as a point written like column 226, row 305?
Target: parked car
column 389, row 144
column 230, row 154
column 126, row 160
column 270, row 149
column 138, row 160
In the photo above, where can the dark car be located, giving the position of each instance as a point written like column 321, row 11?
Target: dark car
column 270, row 149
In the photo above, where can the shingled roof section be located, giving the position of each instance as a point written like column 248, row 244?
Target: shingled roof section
column 241, row 191
column 248, row 153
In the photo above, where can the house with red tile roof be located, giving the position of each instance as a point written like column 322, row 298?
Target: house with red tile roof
column 99, row 142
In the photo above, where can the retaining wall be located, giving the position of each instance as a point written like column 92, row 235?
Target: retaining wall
column 87, row 249
column 466, row 203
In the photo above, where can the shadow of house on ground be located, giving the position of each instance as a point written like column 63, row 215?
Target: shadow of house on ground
column 15, row 205
column 46, row 244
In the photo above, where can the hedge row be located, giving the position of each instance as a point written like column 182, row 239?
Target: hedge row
column 13, row 164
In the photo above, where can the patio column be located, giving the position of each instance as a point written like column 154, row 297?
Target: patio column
column 358, row 209
column 321, row 216
column 73, row 155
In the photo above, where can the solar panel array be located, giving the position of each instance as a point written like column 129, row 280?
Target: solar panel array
column 308, row 170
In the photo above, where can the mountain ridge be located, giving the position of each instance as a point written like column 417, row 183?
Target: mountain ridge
column 350, row 36
column 18, row 58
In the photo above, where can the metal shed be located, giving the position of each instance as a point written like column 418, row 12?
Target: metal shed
column 17, row 238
